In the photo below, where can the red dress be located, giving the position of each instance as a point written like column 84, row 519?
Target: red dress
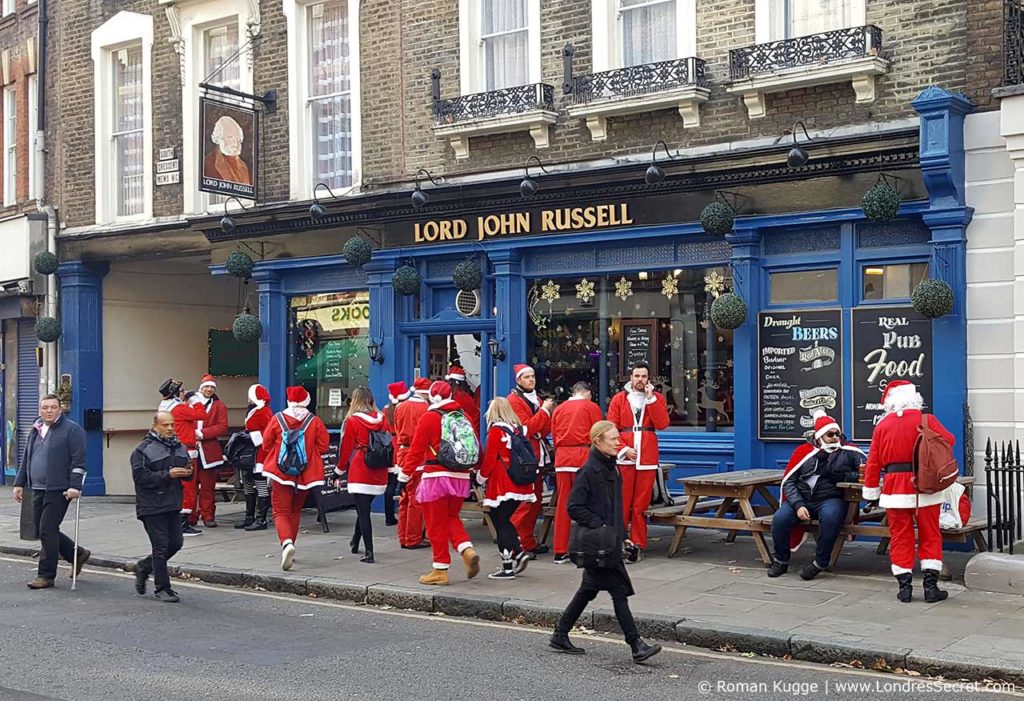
column 494, row 469
column 355, row 439
column 317, row 442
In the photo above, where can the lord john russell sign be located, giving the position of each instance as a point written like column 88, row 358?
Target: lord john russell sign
column 536, row 221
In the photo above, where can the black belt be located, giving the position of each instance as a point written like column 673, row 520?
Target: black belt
column 630, row 429
column 899, row 467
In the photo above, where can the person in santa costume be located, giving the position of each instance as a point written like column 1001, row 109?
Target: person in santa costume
column 441, row 491
column 535, row 415
column 892, row 450
column 463, row 396
column 211, row 454
column 254, row 484
column 398, row 392
column 502, row 495
column 290, row 491
column 809, row 491
column 570, row 428
column 410, row 515
column 186, row 415
column 364, row 482
column 638, row 411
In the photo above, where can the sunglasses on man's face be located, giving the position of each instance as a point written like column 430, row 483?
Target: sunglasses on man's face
column 832, row 434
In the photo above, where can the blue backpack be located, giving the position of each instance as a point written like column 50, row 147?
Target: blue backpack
column 292, row 458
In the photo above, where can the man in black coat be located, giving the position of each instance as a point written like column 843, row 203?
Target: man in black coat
column 596, row 501
column 159, row 464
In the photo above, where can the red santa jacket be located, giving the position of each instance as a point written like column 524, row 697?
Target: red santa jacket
column 637, row 430
column 892, row 443
column 470, row 408
column 215, row 425
column 426, row 442
column 494, row 469
column 535, row 420
column 186, row 417
column 362, row 479
column 317, row 442
column 407, row 414
column 256, row 422
column 570, row 426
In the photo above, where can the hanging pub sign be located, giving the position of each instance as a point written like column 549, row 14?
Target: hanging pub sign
column 889, row 343
column 228, row 148
column 799, row 370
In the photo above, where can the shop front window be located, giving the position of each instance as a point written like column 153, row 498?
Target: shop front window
column 892, row 281
column 594, row 328
column 330, row 351
column 803, row 286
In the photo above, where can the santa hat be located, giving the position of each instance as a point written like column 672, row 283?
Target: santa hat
column 208, row 381
column 421, row 385
column 439, row 391
column 297, row 396
column 521, row 369
column 398, row 392
column 456, row 373
column 823, row 423
column 900, row 395
column 259, row 395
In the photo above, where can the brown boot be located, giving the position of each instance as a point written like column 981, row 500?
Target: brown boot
column 83, row 557
column 435, row 577
column 40, row 583
column 472, row 561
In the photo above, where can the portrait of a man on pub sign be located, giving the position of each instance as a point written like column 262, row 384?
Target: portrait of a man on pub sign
column 229, row 149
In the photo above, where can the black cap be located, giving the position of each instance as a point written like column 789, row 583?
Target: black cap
column 170, row 388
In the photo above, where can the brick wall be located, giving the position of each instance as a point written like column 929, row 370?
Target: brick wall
column 15, row 31
column 984, row 51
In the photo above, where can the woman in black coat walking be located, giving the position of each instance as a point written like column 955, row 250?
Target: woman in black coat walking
column 596, row 501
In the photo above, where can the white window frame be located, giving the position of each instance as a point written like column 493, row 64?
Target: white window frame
column 300, row 145
column 33, row 121
column 8, row 7
column 123, row 30
column 10, row 133
column 472, row 76
column 768, row 25
column 607, row 33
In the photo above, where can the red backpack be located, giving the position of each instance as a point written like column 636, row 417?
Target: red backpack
column 935, row 466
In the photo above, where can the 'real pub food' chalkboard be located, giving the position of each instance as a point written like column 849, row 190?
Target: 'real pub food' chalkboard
column 889, row 343
column 799, row 370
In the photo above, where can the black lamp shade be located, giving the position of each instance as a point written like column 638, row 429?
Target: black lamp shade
column 654, row 174
column 419, row 198
column 227, row 225
column 528, row 188
column 797, row 157
column 317, row 211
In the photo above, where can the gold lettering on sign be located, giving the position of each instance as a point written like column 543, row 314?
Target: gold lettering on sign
column 600, row 216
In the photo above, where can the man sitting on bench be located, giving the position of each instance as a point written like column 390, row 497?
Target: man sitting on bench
column 809, row 491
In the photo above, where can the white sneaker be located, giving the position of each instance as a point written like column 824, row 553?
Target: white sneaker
column 287, row 556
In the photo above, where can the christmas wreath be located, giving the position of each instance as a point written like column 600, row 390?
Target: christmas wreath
column 247, row 328
column 881, row 203
column 239, row 264
column 717, row 218
column 932, row 298
column 357, row 251
column 46, row 263
column 467, row 276
column 406, row 280
column 729, row 311
column 47, row 329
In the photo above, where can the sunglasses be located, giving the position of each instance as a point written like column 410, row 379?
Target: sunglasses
column 832, row 434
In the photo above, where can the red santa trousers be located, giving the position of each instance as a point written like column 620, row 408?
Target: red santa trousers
column 901, row 530
column 286, row 503
column 201, row 490
column 444, row 528
column 563, row 485
column 637, row 489
column 525, row 517
column 410, row 514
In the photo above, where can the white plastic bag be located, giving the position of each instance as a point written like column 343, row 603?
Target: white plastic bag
column 949, row 517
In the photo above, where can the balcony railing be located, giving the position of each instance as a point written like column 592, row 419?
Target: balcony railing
column 807, row 51
column 496, row 103
column 1013, row 42
column 640, row 80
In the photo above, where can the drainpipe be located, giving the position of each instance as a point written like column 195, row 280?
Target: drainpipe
column 48, row 376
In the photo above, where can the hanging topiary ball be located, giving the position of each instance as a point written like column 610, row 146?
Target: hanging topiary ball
column 357, row 251
column 239, row 264
column 47, row 329
column 247, row 328
column 406, row 280
column 467, row 276
column 46, row 263
column 717, row 219
column 932, row 298
column 729, row 311
column 881, row 203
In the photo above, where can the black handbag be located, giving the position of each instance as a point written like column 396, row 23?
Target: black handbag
column 595, row 547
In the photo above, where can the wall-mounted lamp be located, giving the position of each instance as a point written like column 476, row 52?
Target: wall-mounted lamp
column 419, row 197
column 317, row 210
column 528, row 187
column 376, row 355
column 497, row 354
column 797, row 154
column 655, row 174
column 227, row 224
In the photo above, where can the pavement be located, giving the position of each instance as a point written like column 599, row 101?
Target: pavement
column 713, row 595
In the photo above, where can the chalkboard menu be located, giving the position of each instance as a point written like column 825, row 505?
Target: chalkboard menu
column 334, row 360
column 333, row 497
column 229, row 357
column 639, row 344
column 799, row 370
column 889, row 343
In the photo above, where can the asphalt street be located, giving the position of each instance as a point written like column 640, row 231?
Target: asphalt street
column 105, row 642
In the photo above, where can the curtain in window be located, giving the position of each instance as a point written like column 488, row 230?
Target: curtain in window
column 504, row 36
column 127, row 130
column 222, row 67
column 648, row 31
column 330, row 91
column 802, row 17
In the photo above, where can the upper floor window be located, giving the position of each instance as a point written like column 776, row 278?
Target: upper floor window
column 221, row 67
column 10, row 145
column 500, row 44
column 8, row 7
column 637, row 32
column 32, row 124
column 797, row 18
column 127, row 130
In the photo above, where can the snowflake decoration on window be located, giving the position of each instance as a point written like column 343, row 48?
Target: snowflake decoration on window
column 714, row 284
column 670, row 286
column 624, row 289
column 550, row 292
column 585, row 291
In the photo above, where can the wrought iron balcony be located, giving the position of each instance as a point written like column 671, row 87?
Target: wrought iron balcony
column 639, row 80
column 496, row 103
column 1013, row 42
column 813, row 50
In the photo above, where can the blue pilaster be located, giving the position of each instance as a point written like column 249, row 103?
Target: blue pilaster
column 81, row 348
column 384, row 328
column 275, row 343
column 510, row 322
column 745, row 263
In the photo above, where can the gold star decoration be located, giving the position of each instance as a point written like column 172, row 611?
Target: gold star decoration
column 624, row 289
column 714, row 284
column 585, row 291
column 670, row 286
column 550, row 292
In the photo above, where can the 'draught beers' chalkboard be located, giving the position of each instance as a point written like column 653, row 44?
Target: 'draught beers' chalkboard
column 799, row 370
column 889, row 343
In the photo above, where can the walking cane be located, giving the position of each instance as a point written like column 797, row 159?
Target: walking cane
column 74, row 564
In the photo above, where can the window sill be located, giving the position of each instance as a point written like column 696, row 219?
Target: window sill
column 687, row 100
column 537, row 122
column 523, row 108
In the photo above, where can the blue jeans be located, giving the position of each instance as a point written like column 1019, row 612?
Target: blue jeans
column 830, row 514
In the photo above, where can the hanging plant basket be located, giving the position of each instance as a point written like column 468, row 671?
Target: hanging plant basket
column 357, row 251
column 717, row 218
column 406, row 280
column 881, row 203
column 47, row 329
column 467, row 276
column 729, row 311
column 239, row 264
column 46, row 263
column 247, row 328
column 932, row 298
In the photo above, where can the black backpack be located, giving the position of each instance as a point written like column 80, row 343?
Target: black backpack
column 240, row 451
column 380, row 450
column 523, row 464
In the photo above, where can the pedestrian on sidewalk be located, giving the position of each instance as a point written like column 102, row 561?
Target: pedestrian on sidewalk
column 211, row 454
column 596, row 502
column 535, row 415
column 809, row 491
column 506, row 439
column 187, row 416
column 570, row 429
column 892, row 449
column 442, row 489
column 53, row 470
column 296, row 440
column 254, row 484
column 159, row 465
column 366, row 441
column 410, row 514
column 398, row 394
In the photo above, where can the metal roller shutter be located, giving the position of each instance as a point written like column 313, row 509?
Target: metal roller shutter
column 28, row 381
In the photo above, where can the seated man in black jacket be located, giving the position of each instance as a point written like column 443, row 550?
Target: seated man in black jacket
column 809, row 491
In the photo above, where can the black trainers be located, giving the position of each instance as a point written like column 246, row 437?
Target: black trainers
column 506, row 572
column 561, row 643
column 141, row 577
column 541, row 550
column 562, row 558
column 168, row 596
column 522, row 560
column 190, row 531
column 810, row 571
column 777, row 569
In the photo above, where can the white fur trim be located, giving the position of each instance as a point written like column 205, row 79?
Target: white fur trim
column 523, row 371
column 438, row 404
column 256, row 437
column 186, row 511
column 359, row 488
column 291, row 483
column 854, row 448
column 420, row 396
column 574, row 398
column 510, row 496
column 573, row 470
column 909, row 501
column 439, row 565
column 455, row 475
column 369, row 419
column 402, row 477
column 251, row 394
column 296, row 411
column 464, row 546
column 208, row 384
column 931, row 565
column 395, row 399
column 896, row 569
column 826, row 428
column 901, row 398
column 871, row 493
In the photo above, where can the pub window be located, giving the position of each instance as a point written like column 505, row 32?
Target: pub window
column 797, row 18
column 804, row 286
column 330, row 349
column 648, row 30
column 892, row 281
column 593, row 328
column 499, row 44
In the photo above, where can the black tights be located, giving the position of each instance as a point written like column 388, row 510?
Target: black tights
column 389, row 498
column 583, row 597
column 501, row 517
column 364, row 528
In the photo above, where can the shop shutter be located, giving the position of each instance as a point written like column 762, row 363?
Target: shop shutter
column 28, row 382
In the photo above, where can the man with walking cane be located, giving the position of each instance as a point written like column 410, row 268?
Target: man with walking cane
column 53, row 469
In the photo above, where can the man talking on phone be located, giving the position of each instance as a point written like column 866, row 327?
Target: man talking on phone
column 638, row 412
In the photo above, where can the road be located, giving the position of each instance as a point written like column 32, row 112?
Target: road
column 105, row 642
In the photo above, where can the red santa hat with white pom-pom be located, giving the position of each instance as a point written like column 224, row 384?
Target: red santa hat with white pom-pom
column 521, row 369
column 297, row 397
column 440, row 391
column 259, row 396
column 823, row 423
column 900, row 395
column 398, row 392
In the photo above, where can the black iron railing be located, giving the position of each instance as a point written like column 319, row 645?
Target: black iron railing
column 1013, row 42
column 496, row 103
column 640, row 80
column 812, row 50
column 1004, row 479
